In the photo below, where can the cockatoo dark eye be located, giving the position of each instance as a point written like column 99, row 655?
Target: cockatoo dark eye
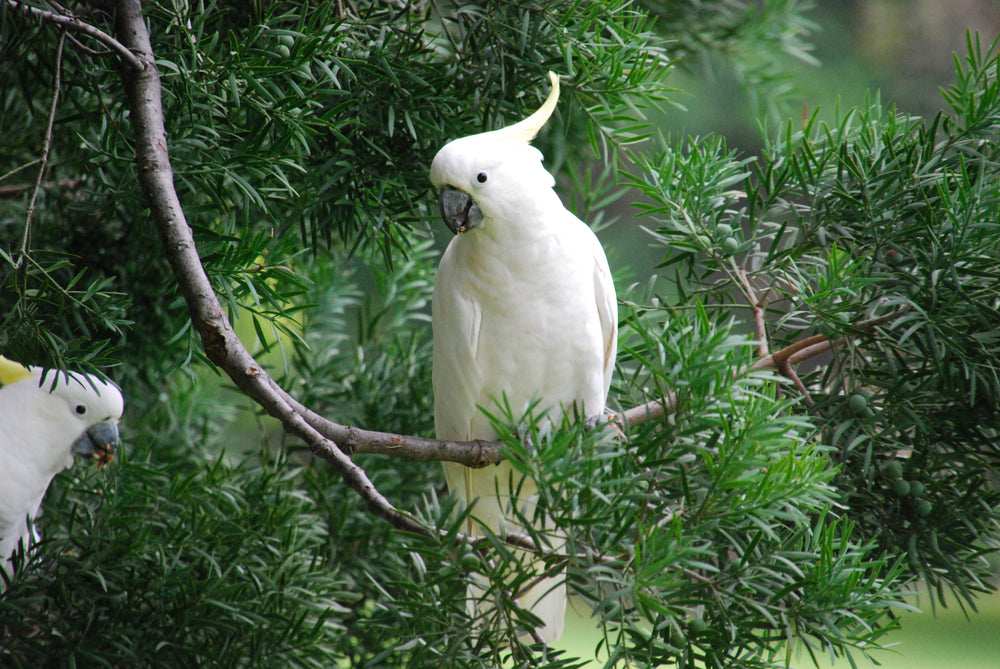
column 481, row 177
column 81, row 409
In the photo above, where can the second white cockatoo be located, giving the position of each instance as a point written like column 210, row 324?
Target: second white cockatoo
column 524, row 309
column 46, row 419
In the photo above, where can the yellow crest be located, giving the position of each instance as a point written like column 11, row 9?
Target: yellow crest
column 526, row 129
column 12, row 372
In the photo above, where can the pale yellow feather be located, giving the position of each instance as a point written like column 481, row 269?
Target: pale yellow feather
column 12, row 372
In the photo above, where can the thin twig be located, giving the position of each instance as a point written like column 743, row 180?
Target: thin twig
column 43, row 160
column 695, row 576
column 94, row 53
column 785, row 368
column 817, row 344
column 778, row 358
column 18, row 169
column 757, row 306
column 650, row 411
column 780, row 361
column 73, row 23
column 16, row 190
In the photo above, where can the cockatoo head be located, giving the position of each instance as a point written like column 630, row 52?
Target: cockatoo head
column 493, row 175
column 60, row 414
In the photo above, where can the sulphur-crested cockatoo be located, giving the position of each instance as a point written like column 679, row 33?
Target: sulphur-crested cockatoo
column 46, row 418
column 524, row 309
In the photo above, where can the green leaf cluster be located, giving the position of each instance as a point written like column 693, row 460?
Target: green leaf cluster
column 218, row 567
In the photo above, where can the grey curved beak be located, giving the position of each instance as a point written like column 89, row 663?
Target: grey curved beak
column 459, row 211
column 98, row 442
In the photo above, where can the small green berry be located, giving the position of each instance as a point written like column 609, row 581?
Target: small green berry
column 697, row 625
column 901, row 487
column 723, row 230
column 858, row 403
column 924, row 507
column 916, row 488
column 893, row 469
column 469, row 561
column 730, row 245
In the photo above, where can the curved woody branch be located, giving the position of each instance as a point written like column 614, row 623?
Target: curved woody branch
column 220, row 341
column 76, row 25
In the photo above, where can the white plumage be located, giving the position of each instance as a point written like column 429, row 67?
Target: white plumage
column 524, row 308
column 46, row 418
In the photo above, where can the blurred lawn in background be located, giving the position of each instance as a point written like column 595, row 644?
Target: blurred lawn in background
column 947, row 640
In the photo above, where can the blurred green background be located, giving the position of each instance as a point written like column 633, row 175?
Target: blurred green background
column 945, row 640
column 899, row 50
column 902, row 49
column 903, row 52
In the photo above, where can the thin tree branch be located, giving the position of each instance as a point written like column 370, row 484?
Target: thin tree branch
column 43, row 160
column 221, row 344
column 757, row 305
column 778, row 358
column 7, row 192
column 15, row 171
column 817, row 344
column 650, row 411
column 476, row 453
column 781, row 361
column 73, row 23
column 87, row 50
column 786, row 369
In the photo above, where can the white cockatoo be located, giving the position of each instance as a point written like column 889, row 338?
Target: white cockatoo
column 46, row 418
column 524, row 309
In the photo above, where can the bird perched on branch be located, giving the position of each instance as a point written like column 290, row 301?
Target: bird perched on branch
column 46, row 418
column 524, row 309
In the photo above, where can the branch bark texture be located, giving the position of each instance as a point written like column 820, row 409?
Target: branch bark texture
column 76, row 25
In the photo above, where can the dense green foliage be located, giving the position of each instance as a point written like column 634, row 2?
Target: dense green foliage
column 768, row 511
column 881, row 216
